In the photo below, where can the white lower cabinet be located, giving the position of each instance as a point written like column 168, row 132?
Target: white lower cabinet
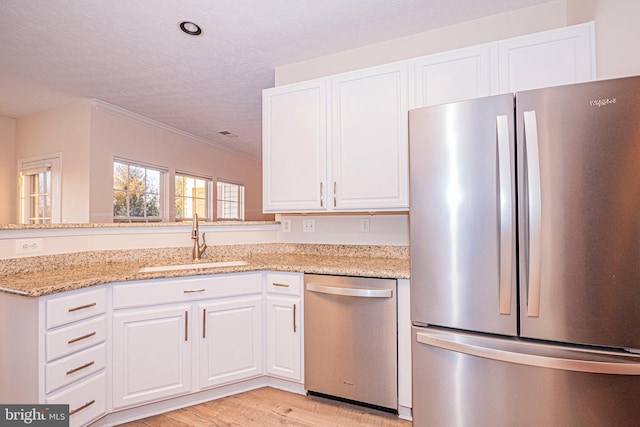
column 206, row 329
column 87, row 400
column 284, row 327
column 230, row 341
column 121, row 348
column 54, row 349
column 151, row 354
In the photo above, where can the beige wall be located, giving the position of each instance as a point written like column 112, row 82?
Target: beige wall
column 63, row 130
column 8, row 180
column 89, row 138
column 617, row 34
column 542, row 17
column 114, row 135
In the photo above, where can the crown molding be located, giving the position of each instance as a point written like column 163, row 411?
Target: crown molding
column 119, row 111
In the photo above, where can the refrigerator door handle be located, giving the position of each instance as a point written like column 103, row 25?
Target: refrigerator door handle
column 535, row 213
column 350, row 292
column 458, row 345
column 506, row 219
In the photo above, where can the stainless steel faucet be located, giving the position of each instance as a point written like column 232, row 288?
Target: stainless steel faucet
column 198, row 249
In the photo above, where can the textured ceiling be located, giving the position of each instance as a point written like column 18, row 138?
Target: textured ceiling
column 129, row 53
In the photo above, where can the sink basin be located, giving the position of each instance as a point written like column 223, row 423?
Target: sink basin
column 192, row 266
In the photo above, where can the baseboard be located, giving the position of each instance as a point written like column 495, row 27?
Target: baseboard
column 155, row 408
column 405, row 413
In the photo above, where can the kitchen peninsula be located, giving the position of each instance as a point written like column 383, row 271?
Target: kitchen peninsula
column 89, row 327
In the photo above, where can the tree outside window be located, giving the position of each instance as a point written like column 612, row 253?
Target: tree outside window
column 230, row 204
column 136, row 193
column 193, row 195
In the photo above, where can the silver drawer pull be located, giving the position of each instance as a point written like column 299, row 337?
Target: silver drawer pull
column 79, row 368
column 191, row 291
column 282, row 285
column 82, row 307
column 84, row 337
column 295, row 327
column 86, row 405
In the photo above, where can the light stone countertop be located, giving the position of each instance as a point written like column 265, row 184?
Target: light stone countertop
column 47, row 275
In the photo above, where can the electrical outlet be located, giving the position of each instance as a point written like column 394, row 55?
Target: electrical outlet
column 364, row 225
column 286, row 225
column 28, row 246
column 309, row 226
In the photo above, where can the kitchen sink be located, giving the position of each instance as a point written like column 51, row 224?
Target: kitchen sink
column 192, row 266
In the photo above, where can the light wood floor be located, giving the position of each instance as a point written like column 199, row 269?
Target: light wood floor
column 271, row 407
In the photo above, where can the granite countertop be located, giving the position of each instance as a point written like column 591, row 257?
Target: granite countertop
column 36, row 277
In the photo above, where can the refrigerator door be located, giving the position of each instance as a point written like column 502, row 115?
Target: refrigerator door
column 462, row 217
column 579, row 179
column 467, row 380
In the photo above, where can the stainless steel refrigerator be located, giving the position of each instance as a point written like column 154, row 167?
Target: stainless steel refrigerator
column 525, row 258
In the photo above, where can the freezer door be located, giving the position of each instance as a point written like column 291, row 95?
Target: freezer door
column 462, row 215
column 466, row 380
column 579, row 179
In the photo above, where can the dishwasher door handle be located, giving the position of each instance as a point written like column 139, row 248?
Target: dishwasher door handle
column 350, row 292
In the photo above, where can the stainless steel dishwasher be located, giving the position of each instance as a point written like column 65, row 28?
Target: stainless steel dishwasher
column 350, row 335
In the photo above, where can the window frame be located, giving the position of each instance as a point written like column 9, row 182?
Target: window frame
column 219, row 200
column 208, row 198
column 162, row 191
column 32, row 166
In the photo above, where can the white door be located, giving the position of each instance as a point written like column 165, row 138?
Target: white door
column 454, row 76
column 294, row 144
column 547, row 59
column 151, row 355
column 369, row 139
column 284, row 337
column 230, row 341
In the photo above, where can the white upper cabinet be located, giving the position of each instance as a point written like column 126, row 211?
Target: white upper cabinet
column 454, row 76
column 294, row 146
column 551, row 58
column 337, row 144
column 369, row 140
column 340, row 144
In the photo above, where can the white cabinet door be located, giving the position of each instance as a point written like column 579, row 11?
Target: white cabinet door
column 294, row 145
column 284, row 344
column 454, row 76
column 151, row 354
column 551, row 58
column 230, row 341
column 369, row 139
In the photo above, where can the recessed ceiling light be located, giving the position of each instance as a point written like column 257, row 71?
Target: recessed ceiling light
column 190, row 28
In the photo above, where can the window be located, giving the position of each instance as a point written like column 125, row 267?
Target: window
column 137, row 192
column 193, row 195
column 230, row 201
column 40, row 190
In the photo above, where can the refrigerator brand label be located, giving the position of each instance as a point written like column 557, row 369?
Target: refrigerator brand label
column 602, row 102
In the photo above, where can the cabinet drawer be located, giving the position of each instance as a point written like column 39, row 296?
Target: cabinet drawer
column 155, row 292
column 284, row 283
column 66, row 309
column 75, row 337
column 72, row 368
column 87, row 400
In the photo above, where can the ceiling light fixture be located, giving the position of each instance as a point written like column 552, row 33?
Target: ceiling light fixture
column 190, row 28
